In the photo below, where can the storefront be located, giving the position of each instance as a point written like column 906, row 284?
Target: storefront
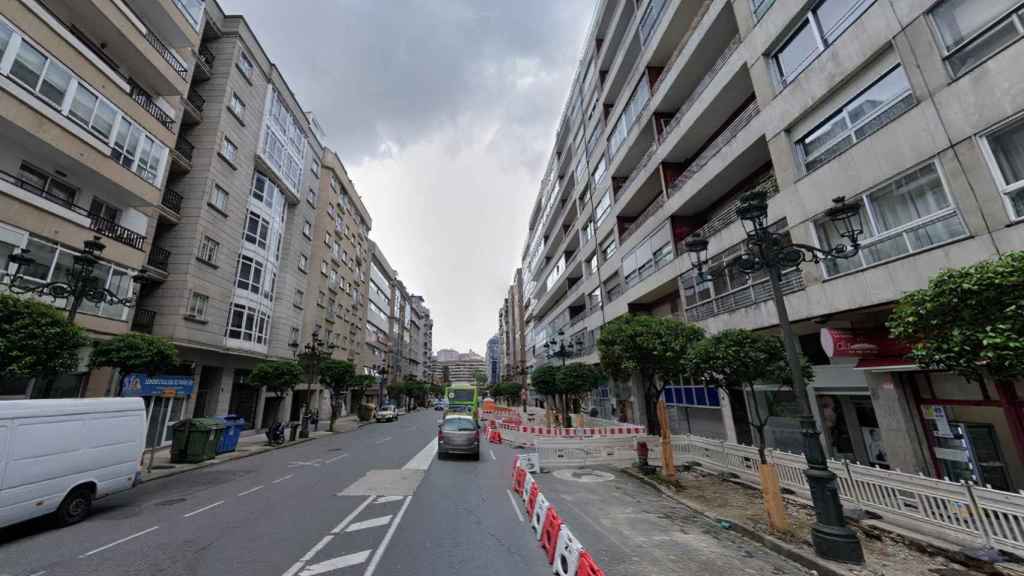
column 165, row 397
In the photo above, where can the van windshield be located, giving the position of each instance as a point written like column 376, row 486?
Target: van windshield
column 462, row 395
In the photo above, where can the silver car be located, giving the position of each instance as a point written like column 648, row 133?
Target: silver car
column 458, row 434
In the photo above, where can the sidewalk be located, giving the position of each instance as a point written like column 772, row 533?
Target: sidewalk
column 248, row 445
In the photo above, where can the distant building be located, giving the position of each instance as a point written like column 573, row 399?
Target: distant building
column 451, row 367
column 493, row 359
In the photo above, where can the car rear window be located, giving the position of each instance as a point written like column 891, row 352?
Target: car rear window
column 462, row 395
column 459, row 425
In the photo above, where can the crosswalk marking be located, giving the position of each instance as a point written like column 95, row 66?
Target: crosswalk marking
column 386, row 499
column 336, row 563
column 372, row 523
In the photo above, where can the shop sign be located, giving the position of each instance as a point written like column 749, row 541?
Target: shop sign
column 162, row 385
column 861, row 344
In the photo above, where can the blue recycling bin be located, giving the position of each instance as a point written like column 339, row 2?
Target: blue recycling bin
column 234, row 425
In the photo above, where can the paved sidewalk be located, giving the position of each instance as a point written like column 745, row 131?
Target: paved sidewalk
column 248, row 445
column 631, row 528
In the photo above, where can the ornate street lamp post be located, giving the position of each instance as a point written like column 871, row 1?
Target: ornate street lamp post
column 80, row 284
column 557, row 348
column 773, row 253
column 313, row 355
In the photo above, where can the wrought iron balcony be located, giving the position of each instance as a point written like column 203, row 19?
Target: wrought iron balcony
column 167, row 55
column 143, row 320
column 172, row 200
column 159, row 258
column 144, row 99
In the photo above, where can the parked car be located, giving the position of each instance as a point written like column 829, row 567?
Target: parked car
column 387, row 413
column 57, row 456
column 458, row 434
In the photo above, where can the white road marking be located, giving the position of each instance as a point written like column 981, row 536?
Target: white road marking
column 386, row 499
column 203, row 509
column 387, row 539
column 514, row 505
column 372, row 523
column 383, row 440
column 250, row 490
column 121, row 541
column 422, row 460
column 352, row 516
column 338, row 457
column 493, row 457
column 326, row 539
column 336, row 563
column 282, row 479
column 40, row 573
column 314, row 463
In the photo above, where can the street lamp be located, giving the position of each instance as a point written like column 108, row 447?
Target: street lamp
column 771, row 252
column 80, row 284
column 313, row 355
column 557, row 348
column 382, row 373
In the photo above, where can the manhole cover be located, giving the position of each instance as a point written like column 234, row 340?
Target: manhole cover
column 171, row 502
column 584, row 475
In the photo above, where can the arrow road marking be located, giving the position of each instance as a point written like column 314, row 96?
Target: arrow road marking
column 387, row 539
column 326, row 540
column 386, row 499
column 373, row 523
column 336, row 563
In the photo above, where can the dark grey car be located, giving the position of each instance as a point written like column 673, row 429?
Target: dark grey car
column 458, row 434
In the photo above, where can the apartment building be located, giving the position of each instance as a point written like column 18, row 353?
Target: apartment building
column 678, row 108
column 511, row 332
column 91, row 103
column 493, row 359
column 378, row 357
column 421, row 338
column 450, row 366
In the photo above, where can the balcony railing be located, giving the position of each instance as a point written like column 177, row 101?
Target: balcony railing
column 159, row 258
column 167, row 55
column 185, row 148
column 715, row 146
column 145, row 100
column 703, row 84
column 725, row 214
column 206, row 56
column 753, row 293
column 196, row 100
column 97, row 223
column 144, row 320
column 172, row 200
column 643, row 217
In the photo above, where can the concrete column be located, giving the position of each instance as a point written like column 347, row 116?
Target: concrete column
column 285, row 410
column 223, row 392
column 261, row 403
column 727, row 423
column 896, row 423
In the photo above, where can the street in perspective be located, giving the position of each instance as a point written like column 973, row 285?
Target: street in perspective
column 572, row 287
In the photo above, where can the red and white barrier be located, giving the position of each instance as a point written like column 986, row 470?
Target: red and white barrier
column 526, row 436
column 567, row 553
column 540, row 511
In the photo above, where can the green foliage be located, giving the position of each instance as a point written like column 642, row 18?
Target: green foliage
column 337, row 376
column 279, row 376
column 736, row 358
column 480, row 377
column 647, row 346
column 968, row 320
column 36, row 340
column 575, row 380
column 545, row 380
column 135, row 352
column 508, row 391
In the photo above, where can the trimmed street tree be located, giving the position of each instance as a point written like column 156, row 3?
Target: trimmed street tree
column 338, row 377
column 480, row 377
column 37, row 342
column 507, row 391
column 575, row 381
column 969, row 321
column 545, row 381
column 135, row 352
column 362, row 383
column 279, row 376
column 654, row 349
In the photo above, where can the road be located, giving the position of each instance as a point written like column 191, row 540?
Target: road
column 371, row 502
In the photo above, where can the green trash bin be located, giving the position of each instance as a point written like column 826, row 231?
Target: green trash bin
column 195, row 440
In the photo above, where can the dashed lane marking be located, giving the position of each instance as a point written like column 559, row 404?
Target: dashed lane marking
column 336, row 563
column 251, row 490
column 116, row 542
column 372, row 523
column 282, row 479
column 203, row 509
column 383, row 440
column 514, row 505
column 338, row 457
column 493, row 457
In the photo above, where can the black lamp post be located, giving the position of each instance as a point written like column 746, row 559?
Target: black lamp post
column 313, row 355
column 80, row 284
column 771, row 252
column 558, row 348
column 382, row 373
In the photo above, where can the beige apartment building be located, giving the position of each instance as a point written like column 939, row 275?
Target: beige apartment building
column 91, row 101
column 912, row 107
column 511, row 332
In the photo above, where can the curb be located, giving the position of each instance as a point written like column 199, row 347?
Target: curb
column 782, row 549
column 209, row 463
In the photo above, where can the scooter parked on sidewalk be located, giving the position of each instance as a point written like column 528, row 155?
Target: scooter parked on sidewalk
column 275, row 434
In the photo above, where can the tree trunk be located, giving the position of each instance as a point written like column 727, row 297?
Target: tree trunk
column 771, row 492
column 651, row 394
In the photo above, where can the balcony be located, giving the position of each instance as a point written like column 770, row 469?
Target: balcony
column 177, row 65
column 194, row 105
column 159, row 258
column 144, row 99
column 172, row 200
column 181, row 156
column 712, row 148
column 204, row 63
column 143, row 320
column 97, row 223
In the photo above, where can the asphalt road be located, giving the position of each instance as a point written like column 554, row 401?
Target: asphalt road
column 371, row 502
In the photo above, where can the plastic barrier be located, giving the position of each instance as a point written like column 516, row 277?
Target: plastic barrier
column 567, row 553
column 587, row 566
column 494, row 437
column 531, row 502
column 540, row 512
column 527, row 484
column 615, row 451
column 549, row 535
column 517, row 485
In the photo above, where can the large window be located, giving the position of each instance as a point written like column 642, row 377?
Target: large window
column 870, row 110
column 248, row 324
column 650, row 19
column 693, row 396
column 818, row 30
column 602, row 208
column 284, row 141
column 257, row 229
column 649, row 256
column 630, row 114
column 250, row 275
column 907, row 214
column 969, row 31
column 1005, row 148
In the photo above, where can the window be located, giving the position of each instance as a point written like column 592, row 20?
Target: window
column 649, row 256
column 248, row 324
column 250, row 274
column 311, row 197
column 55, row 84
column 969, row 32
column 1005, row 148
column 55, row 189
column 595, row 297
column 303, row 262
column 630, row 113
column 650, row 19
column 760, row 7
column 868, row 112
column 126, row 143
column 245, row 65
column 609, row 246
column 236, row 106
column 316, row 167
column 324, row 267
column 695, row 396
column 321, row 298
column 293, row 335
column 82, row 105
column 197, row 305
column 600, row 171
column 297, row 299
column 907, row 214
column 327, row 239
column 208, row 250
column 28, row 65
column 602, row 208
column 219, row 198
column 820, row 28
column 594, row 264
column 256, row 230
column 587, row 231
column 228, row 149
column 307, row 229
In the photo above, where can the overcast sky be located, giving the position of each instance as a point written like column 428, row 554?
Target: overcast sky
column 444, row 112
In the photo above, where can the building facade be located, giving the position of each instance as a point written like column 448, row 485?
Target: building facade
column 450, row 367
column 511, row 333
column 678, row 108
column 493, row 359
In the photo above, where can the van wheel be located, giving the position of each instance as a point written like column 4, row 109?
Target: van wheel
column 75, row 507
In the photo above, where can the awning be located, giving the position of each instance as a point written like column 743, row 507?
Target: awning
column 886, row 365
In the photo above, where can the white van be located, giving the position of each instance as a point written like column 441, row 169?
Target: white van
column 57, row 456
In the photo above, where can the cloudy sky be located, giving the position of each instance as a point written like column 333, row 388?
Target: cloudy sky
column 444, row 112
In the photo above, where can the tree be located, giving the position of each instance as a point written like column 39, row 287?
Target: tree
column 338, row 377
column 654, row 349
column 135, row 352
column 968, row 321
column 37, row 342
column 507, row 391
column 737, row 360
column 279, row 376
column 446, row 374
column 576, row 381
column 480, row 377
column 361, row 384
